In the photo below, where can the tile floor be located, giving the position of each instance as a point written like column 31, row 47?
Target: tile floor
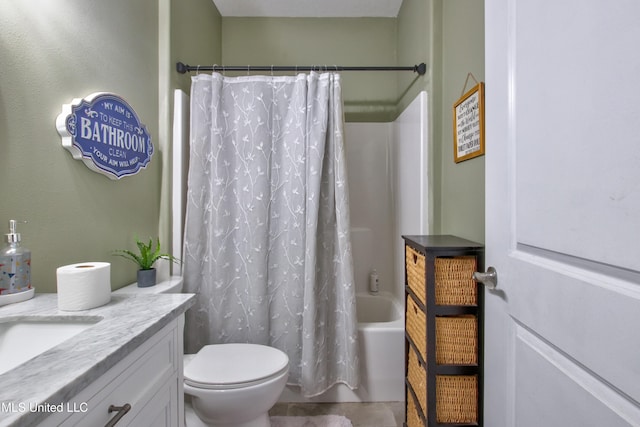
column 371, row 414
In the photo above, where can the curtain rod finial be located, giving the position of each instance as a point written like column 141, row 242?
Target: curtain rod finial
column 181, row 68
column 421, row 69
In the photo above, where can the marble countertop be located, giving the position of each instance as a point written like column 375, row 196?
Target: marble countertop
column 60, row 373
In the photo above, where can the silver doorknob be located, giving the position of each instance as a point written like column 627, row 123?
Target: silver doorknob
column 489, row 279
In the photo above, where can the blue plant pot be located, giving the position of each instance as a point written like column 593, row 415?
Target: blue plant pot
column 146, row 278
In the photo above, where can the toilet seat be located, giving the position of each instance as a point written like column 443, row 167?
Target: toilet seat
column 228, row 366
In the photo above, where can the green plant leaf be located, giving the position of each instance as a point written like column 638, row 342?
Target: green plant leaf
column 148, row 254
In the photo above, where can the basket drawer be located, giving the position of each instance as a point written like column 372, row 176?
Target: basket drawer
column 454, row 281
column 415, row 266
column 417, row 377
column 457, row 398
column 416, row 326
column 413, row 415
column 457, row 340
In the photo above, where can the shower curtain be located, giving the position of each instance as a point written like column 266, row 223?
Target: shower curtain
column 267, row 244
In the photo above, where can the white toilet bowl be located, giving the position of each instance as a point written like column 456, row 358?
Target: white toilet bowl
column 235, row 385
column 229, row 385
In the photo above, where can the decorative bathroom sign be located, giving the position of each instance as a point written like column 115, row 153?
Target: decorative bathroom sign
column 105, row 133
column 468, row 124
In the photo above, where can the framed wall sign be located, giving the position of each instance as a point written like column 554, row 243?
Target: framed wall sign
column 468, row 125
column 105, row 133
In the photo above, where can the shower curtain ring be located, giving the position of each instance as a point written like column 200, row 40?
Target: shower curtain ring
column 271, row 70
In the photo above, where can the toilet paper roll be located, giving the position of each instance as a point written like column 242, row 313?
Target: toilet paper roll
column 83, row 286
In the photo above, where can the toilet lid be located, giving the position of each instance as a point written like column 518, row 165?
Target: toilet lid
column 233, row 365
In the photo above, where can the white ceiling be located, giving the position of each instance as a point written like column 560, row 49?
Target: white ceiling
column 309, row 8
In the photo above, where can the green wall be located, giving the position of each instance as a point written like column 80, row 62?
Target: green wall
column 368, row 96
column 196, row 37
column 461, row 185
column 415, row 43
column 53, row 52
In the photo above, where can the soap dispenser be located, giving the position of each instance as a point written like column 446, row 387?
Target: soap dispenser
column 373, row 282
column 15, row 264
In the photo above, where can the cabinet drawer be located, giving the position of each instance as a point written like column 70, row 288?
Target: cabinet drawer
column 457, row 399
column 413, row 414
column 417, row 378
column 415, row 268
column 416, row 326
column 457, row 340
column 454, row 280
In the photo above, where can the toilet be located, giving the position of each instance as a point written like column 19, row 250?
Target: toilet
column 229, row 385
column 235, row 384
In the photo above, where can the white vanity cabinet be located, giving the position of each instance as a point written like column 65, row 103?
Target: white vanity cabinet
column 149, row 379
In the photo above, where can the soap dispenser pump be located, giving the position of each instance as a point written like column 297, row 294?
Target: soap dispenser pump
column 15, row 263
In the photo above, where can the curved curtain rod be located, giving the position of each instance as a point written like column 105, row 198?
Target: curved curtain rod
column 421, row 68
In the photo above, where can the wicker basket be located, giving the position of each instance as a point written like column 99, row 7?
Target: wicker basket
column 415, row 265
column 457, row 340
column 454, row 281
column 413, row 417
column 416, row 326
column 417, row 377
column 457, row 398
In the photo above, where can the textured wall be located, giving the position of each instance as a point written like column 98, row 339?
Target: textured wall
column 461, row 207
column 53, row 52
column 368, row 96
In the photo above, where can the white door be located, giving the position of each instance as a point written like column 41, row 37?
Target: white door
column 562, row 333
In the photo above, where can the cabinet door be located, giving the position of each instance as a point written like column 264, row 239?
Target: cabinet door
column 138, row 380
column 161, row 410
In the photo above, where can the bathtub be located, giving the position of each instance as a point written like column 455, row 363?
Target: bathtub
column 381, row 341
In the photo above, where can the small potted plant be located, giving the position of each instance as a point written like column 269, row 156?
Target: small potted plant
column 145, row 260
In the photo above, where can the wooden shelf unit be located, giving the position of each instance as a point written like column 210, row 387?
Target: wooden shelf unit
column 444, row 324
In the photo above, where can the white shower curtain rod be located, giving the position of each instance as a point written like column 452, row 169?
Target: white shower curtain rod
column 182, row 68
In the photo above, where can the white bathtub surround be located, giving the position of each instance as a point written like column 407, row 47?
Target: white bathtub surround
column 381, row 334
column 389, row 190
column 62, row 372
column 411, row 181
column 374, row 310
column 371, row 204
column 267, row 243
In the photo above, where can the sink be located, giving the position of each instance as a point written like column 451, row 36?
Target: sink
column 24, row 338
